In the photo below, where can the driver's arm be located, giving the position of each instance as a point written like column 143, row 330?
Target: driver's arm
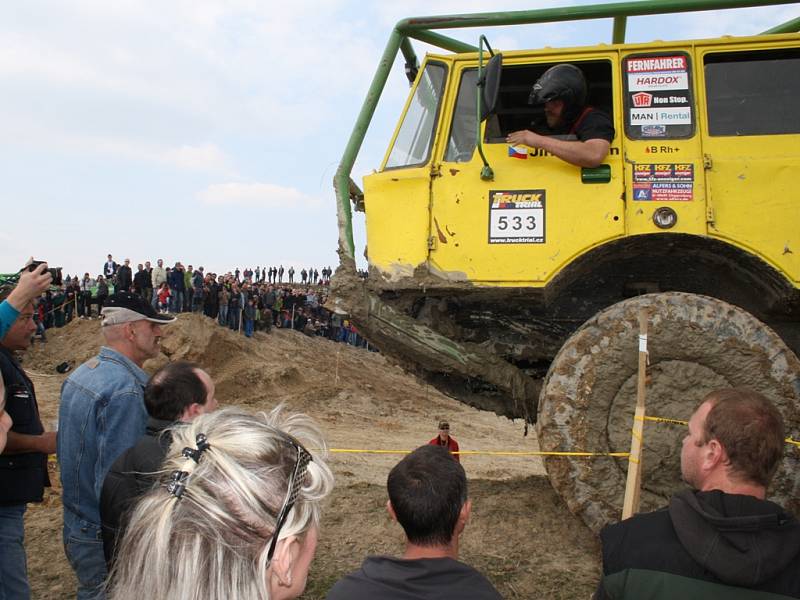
column 588, row 153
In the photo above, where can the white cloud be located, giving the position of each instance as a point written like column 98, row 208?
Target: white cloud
column 205, row 157
column 256, row 195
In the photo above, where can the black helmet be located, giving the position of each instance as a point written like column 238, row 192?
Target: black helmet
column 561, row 82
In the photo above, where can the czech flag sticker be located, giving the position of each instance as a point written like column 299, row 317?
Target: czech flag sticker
column 518, row 152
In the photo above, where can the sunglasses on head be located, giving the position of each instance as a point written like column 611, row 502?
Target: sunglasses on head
column 295, row 483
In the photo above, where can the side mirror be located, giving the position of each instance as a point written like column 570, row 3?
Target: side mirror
column 489, row 83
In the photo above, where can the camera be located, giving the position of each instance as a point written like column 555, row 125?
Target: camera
column 55, row 272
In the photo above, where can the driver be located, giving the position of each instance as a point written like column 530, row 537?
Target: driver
column 576, row 133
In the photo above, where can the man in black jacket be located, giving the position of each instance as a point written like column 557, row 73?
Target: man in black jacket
column 23, row 463
column 721, row 539
column 124, row 277
column 428, row 497
column 141, row 283
column 178, row 393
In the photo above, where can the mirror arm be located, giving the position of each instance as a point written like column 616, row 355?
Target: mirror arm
column 487, row 174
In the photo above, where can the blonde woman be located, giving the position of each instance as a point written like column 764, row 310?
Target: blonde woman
column 236, row 513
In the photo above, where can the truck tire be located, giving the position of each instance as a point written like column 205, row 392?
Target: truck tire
column 696, row 344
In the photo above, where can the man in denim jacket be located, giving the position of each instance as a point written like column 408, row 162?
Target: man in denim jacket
column 101, row 415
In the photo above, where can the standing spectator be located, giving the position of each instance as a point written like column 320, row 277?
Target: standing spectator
column 178, row 393
column 258, row 274
column 250, row 505
column 102, row 293
column 224, row 296
column 23, row 464
column 189, row 290
column 721, row 538
column 71, row 293
column 87, row 283
column 444, row 440
column 139, row 282
column 124, row 278
column 177, row 287
column 303, row 276
column 102, row 414
column 234, row 308
column 198, row 281
column 211, row 306
column 157, row 277
column 147, row 291
column 109, row 268
column 280, row 274
column 291, row 274
column 428, row 498
column 316, row 276
column 249, row 317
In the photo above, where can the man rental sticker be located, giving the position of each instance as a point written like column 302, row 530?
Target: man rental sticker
column 516, row 216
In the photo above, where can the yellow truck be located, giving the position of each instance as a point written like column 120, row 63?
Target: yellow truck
column 512, row 278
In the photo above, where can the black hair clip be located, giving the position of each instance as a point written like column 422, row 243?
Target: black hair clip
column 196, row 453
column 177, row 484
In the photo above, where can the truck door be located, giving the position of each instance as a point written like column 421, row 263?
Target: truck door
column 751, row 138
column 664, row 171
column 397, row 198
column 538, row 212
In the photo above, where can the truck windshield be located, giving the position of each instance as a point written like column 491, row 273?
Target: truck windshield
column 413, row 143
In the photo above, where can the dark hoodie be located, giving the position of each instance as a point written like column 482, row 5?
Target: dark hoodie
column 704, row 545
column 388, row 578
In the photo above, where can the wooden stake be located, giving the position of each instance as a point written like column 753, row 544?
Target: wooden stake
column 630, row 505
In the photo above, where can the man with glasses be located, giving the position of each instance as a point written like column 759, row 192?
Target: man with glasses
column 428, row 497
column 444, row 440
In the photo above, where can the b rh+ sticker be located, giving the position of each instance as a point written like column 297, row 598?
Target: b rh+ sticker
column 517, row 216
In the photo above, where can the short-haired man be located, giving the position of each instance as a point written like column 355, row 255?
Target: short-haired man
column 576, row 133
column 23, row 463
column 721, row 539
column 443, row 439
column 428, row 497
column 101, row 415
column 157, row 276
column 178, row 393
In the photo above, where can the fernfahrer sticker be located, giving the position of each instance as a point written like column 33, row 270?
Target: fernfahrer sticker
column 517, row 216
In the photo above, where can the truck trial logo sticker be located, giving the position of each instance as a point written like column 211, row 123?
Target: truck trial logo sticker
column 516, row 216
column 663, row 182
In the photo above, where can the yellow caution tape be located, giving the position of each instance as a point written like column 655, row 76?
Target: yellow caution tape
column 665, row 420
column 483, row 452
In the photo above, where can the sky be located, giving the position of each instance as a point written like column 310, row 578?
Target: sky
column 209, row 131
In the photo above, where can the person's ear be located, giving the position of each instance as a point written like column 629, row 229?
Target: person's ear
column 390, row 510
column 286, row 552
column 463, row 516
column 714, row 455
column 191, row 412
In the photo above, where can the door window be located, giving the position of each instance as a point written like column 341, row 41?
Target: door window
column 412, row 146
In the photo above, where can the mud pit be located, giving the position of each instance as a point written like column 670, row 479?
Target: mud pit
column 521, row 536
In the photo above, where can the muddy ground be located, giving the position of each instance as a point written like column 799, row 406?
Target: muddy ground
column 522, row 537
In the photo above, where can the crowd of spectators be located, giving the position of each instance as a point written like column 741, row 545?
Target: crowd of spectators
column 245, row 300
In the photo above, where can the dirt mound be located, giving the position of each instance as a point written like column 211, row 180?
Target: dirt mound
column 521, row 536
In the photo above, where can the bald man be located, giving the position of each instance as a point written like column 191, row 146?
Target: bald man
column 101, row 415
